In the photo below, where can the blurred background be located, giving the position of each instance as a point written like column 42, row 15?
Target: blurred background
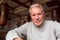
column 14, row 13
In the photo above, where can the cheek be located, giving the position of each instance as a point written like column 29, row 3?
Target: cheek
column 32, row 18
column 42, row 17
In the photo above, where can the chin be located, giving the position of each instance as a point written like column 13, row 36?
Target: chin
column 39, row 24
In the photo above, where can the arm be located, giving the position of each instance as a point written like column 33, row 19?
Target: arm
column 57, row 30
column 17, row 39
column 17, row 33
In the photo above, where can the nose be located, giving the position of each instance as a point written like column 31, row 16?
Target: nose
column 37, row 17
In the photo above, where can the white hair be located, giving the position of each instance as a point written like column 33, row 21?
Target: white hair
column 36, row 6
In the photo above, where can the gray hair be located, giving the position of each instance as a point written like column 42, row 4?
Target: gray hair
column 36, row 6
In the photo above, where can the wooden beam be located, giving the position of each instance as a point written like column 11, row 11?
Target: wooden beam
column 20, row 3
column 31, row 1
column 52, row 3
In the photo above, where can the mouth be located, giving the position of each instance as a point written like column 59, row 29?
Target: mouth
column 38, row 21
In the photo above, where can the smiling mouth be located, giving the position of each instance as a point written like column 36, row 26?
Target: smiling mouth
column 38, row 21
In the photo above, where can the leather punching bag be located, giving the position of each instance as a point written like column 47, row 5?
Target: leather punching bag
column 3, row 15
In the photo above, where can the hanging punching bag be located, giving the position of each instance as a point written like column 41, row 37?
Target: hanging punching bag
column 4, row 14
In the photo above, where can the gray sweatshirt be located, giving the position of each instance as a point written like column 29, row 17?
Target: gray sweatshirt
column 50, row 30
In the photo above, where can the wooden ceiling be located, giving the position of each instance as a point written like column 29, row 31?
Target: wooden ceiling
column 19, row 7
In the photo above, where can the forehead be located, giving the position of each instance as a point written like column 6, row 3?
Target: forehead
column 36, row 10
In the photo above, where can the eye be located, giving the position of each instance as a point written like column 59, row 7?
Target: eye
column 39, row 13
column 33, row 14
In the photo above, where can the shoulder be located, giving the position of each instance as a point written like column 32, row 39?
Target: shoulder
column 54, row 24
column 28, row 23
column 51, row 22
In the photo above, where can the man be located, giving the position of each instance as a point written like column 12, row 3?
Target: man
column 38, row 29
